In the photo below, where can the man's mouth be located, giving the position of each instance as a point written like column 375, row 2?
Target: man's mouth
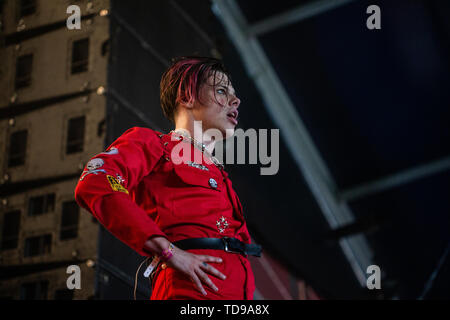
column 232, row 116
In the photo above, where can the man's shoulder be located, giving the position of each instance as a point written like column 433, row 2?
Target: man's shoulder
column 145, row 137
column 142, row 132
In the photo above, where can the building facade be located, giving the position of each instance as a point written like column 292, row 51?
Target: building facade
column 52, row 120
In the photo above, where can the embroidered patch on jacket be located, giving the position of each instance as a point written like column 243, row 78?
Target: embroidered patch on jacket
column 95, row 164
column 88, row 172
column 222, row 224
column 198, row 166
column 115, row 184
column 119, row 178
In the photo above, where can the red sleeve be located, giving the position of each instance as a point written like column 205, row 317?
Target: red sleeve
column 104, row 184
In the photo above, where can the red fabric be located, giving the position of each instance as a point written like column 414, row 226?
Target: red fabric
column 239, row 285
column 176, row 201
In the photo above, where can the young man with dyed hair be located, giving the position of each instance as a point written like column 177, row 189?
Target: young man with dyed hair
column 167, row 197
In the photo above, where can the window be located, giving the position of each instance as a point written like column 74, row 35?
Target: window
column 34, row 290
column 80, row 56
column 69, row 221
column 24, row 66
column 17, row 148
column 75, row 135
column 27, row 7
column 11, row 227
column 64, row 294
column 36, row 246
column 42, row 204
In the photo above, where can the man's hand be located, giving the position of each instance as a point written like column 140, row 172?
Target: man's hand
column 194, row 266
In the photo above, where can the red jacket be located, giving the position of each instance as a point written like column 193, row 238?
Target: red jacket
column 136, row 190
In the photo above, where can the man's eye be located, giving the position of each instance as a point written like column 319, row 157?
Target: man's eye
column 221, row 91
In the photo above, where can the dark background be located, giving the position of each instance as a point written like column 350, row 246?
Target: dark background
column 375, row 102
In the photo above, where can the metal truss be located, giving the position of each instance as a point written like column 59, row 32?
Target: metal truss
column 285, row 116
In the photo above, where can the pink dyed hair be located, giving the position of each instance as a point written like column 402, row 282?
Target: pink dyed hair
column 182, row 81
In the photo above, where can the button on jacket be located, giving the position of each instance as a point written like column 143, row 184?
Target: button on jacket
column 152, row 184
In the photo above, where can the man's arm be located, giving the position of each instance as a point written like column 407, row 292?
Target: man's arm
column 103, row 187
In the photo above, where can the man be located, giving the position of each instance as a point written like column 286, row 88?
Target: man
column 166, row 196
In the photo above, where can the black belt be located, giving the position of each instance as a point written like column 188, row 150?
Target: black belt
column 227, row 244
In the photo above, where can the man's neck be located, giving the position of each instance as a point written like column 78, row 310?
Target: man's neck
column 209, row 144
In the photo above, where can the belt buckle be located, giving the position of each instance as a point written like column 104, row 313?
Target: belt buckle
column 227, row 249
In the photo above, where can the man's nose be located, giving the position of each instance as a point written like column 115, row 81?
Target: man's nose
column 234, row 101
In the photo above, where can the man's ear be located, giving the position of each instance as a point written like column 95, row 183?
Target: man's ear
column 181, row 105
column 188, row 105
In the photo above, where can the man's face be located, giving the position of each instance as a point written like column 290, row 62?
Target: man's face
column 217, row 106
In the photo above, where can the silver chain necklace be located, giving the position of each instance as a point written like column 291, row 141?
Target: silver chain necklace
column 201, row 147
